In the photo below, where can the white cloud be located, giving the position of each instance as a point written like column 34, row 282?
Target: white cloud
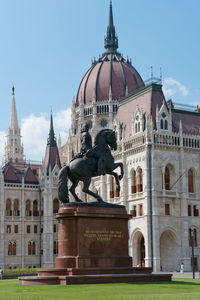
column 2, row 144
column 172, row 87
column 35, row 131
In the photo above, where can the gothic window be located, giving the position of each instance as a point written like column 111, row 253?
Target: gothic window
column 140, row 184
column 28, row 211
column 112, row 187
column 161, row 124
column 8, row 207
column 140, row 210
column 35, row 208
column 55, row 206
column 8, row 229
column 55, row 247
column 190, row 181
column 31, row 248
column 28, row 229
column 193, row 233
column 189, row 211
column 16, row 228
column 134, row 211
column 195, row 211
column 133, row 182
column 54, row 228
column 167, row 178
column 12, row 248
column 137, row 124
column 35, row 228
column 167, row 209
column 16, row 211
column 166, row 125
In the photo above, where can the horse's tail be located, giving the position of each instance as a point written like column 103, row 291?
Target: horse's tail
column 63, row 193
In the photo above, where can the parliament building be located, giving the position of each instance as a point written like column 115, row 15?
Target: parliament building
column 159, row 146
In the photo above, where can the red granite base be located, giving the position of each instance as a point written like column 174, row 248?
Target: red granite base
column 92, row 248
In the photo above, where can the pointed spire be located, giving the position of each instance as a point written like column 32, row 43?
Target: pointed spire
column 51, row 141
column 111, row 40
column 13, row 124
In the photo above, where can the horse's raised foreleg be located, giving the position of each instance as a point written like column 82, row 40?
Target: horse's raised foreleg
column 72, row 190
column 116, row 165
column 86, row 184
column 116, row 179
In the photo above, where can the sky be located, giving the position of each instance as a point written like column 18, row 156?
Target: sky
column 47, row 46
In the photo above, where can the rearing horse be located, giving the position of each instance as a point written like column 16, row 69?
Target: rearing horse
column 83, row 169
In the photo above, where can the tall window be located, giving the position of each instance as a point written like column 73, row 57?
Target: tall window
column 133, row 182
column 141, row 210
column 35, row 208
column 167, row 178
column 12, row 248
column 190, row 181
column 31, row 248
column 16, row 228
column 8, row 208
column 16, row 211
column 140, row 184
column 134, row 211
column 167, row 209
column 112, row 187
column 28, row 208
column 55, row 247
column 55, row 206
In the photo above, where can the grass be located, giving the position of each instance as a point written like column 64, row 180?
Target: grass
column 178, row 289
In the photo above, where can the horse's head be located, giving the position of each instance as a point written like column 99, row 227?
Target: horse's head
column 111, row 140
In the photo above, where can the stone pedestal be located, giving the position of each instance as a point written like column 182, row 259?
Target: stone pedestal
column 92, row 248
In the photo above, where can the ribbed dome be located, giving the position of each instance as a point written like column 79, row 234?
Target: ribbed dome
column 110, row 74
column 113, row 72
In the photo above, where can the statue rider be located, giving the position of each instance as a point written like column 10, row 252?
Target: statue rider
column 86, row 140
column 88, row 151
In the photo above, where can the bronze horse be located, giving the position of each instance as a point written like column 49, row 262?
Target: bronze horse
column 83, row 169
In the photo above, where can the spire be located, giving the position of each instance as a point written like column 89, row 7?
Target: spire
column 51, row 141
column 111, row 40
column 13, row 124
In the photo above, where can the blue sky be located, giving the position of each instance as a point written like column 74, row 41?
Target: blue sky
column 47, row 46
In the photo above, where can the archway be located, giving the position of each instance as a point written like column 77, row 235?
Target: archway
column 138, row 250
column 169, row 252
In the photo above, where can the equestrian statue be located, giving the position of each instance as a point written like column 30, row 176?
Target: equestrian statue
column 90, row 162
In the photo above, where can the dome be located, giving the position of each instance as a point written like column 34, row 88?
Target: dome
column 110, row 74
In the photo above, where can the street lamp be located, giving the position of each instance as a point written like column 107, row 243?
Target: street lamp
column 192, row 240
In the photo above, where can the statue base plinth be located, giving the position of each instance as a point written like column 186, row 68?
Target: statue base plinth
column 93, row 248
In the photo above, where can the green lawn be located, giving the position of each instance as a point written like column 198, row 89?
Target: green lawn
column 177, row 289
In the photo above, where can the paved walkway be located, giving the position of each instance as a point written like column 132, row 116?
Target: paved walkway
column 180, row 275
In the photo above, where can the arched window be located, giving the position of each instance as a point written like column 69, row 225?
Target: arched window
column 133, row 182
column 190, row 181
column 167, row 178
column 28, row 211
column 55, row 206
column 140, row 183
column 166, row 125
column 161, row 124
column 35, row 208
column 12, row 248
column 112, row 187
column 193, row 233
column 8, row 207
column 55, row 247
column 31, row 248
column 136, row 128
column 16, row 211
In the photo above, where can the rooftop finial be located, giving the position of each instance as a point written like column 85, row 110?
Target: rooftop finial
column 13, row 90
column 51, row 141
column 111, row 40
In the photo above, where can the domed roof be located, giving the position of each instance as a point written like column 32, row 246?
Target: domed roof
column 110, row 74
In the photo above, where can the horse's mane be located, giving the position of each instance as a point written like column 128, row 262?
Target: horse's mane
column 99, row 134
